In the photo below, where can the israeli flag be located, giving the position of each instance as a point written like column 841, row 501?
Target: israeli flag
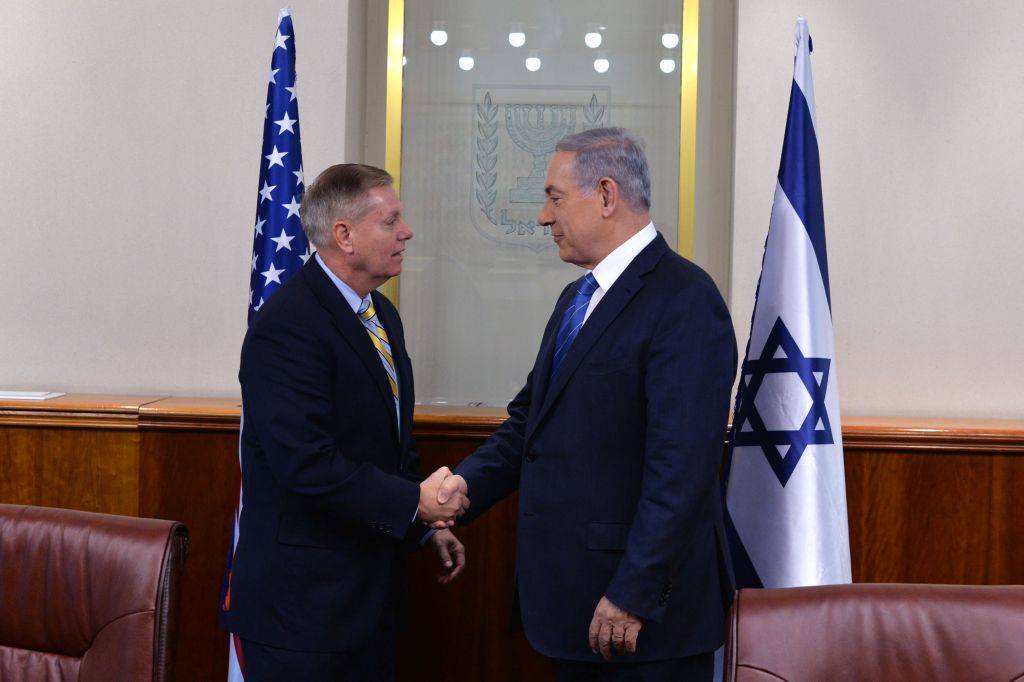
column 785, row 486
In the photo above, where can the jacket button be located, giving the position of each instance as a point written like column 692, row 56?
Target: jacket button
column 530, row 455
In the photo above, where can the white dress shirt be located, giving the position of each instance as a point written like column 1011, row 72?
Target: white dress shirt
column 616, row 262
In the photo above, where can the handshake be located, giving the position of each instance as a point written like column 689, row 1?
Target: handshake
column 443, row 498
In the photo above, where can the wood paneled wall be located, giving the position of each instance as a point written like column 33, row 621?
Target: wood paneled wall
column 929, row 501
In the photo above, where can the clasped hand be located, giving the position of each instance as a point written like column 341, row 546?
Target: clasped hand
column 612, row 628
column 443, row 498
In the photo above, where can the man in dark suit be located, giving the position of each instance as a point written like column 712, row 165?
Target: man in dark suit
column 332, row 498
column 615, row 441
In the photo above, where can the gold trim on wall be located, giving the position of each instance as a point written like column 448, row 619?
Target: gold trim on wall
column 687, row 120
column 393, row 112
column 688, row 128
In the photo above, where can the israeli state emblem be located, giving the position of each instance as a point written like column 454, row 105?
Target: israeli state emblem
column 516, row 130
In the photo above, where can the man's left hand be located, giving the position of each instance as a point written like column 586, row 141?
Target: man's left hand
column 613, row 628
column 451, row 554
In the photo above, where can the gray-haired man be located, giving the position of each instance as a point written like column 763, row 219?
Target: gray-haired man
column 333, row 500
column 615, row 441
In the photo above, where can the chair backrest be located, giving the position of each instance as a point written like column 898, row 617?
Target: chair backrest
column 87, row 596
column 877, row 632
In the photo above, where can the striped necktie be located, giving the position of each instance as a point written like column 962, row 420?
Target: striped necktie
column 379, row 338
column 572, row 321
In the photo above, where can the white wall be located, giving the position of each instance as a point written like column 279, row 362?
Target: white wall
column 920, row 113
column 131, row 137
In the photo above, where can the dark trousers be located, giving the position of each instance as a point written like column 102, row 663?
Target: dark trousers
column 699, row 668
column 374, row 662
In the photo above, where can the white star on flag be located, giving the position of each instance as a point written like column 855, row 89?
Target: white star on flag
column 275, row 158
column 271, row 275
column 292, row 91
column 273, row 76
column 255, row 257
column 265, row 192
column 286, row 123
column 300, row 176
column 306, row 256
column 283, row 242
column 293, row 208
column 260, row 224
column 258, row 305
column 280, row 41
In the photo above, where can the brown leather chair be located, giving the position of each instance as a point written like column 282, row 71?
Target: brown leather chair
column 87, row 596
column 877, row 632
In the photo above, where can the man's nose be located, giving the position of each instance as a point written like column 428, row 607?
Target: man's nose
column 543, row 217
column 405, row 232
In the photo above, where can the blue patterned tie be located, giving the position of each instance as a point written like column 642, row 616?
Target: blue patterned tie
column 572, row 321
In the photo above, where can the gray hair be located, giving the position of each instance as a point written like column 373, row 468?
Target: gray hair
column 612, row 153
column 338, row 192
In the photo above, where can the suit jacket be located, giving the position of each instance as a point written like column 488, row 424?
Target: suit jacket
column 616, row 462
column 329, row 482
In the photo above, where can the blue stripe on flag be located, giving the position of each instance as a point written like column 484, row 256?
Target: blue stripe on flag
column 743, row 568
column 800, row 177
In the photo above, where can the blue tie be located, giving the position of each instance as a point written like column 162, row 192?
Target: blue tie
column 572, row 321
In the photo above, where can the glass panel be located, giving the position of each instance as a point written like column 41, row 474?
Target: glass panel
column 482, row 110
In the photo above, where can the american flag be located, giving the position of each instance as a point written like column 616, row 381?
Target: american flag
column 279, row 246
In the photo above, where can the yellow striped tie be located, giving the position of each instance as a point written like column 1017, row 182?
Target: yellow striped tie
column 379, row 338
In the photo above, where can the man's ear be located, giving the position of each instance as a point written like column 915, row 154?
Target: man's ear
column 341, row 235
column 608, row 191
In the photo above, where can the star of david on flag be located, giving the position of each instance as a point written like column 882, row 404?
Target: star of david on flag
column 783, row 428
column 785, row 486
column 280, row 246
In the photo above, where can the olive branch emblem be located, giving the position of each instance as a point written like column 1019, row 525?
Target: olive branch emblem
column 593, row 113
column 486, row 156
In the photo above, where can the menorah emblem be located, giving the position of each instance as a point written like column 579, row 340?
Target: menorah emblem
column 536, row 129
column 504, row 205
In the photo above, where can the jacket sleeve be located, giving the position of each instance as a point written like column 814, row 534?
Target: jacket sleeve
column 287, row 376
column 690, row 368
column 417, row 534
column 492, row 471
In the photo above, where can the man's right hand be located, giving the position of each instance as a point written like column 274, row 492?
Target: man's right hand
column 451, row 486
column 435, row 513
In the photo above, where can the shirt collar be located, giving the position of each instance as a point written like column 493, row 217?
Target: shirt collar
column 613, row 265
column 351, row 297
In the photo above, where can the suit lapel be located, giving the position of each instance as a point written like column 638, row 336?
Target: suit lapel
column 351, row 329
column 613, row 302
